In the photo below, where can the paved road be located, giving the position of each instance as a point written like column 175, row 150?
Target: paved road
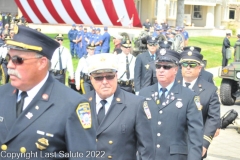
column 227, row 145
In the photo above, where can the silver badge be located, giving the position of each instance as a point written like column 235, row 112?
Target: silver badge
column 29, row 115
column 165, row 42
column 163, row 52
column 179, row 104
column 191, row 48
column 1, row 119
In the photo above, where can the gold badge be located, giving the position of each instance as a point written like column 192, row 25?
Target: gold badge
column 23, row 150
column 15, row 29
column 147, row 66
column 198, row 103
column 42, row 143
column 84, row 114
column 4, row 147
column 158, row 101
column 147, row 110
column 118, row 99
column 45, row 96
column 189, row 53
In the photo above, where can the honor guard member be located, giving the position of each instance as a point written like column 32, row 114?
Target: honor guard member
column 207, row 97
column 117, row 40
column 141, row 64
column 3, row 61
column 72, row 39
column 97, row 41
column 61, row 62
column 78, row 42
column 82, row 79
column 150, row 77
column 176, row 117
column 38, row 115
column 105, row 41
column 122, row 120
column 84, row 42
column 226, row 44
column 126, row 62
column 203, row 73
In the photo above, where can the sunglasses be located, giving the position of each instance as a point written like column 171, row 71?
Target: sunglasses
column 59, row 39
column 166, row 67
column 18, row 60
column 191, row 65
column 126, row 47
column 100, row 78
column 152, row 44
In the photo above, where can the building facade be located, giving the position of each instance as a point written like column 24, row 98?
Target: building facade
column 198, row 13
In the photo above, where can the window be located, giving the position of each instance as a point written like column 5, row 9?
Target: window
column 156, row 8
column 197, row 12
column 172, row 9
column 231, row 13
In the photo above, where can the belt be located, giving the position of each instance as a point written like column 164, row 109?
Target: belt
column 125, row 83
column 55, row 72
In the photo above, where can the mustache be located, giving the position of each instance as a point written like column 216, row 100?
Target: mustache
column 14, row 73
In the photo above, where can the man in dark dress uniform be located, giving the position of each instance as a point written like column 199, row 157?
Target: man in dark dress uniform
column 225, row 46
column 177, row 123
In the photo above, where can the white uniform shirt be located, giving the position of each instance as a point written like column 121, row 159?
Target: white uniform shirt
column 122, row 66
column 107, row 105
column 82, row 67
column 3, row 51
column 66, row 60
column 191, row 84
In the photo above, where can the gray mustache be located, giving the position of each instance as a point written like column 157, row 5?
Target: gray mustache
column 14, row 73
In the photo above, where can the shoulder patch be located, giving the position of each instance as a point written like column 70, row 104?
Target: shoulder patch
column 147, row 110
column 84, row 115
column 198, row 103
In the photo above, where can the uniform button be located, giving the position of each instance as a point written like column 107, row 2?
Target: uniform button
column 96, row 140
column 23, row 150
column 4, row 147
column 161, row 112
column 158, row 134
column 110, row 142
column 109, row 157
column 159, row 122
column 158, row 145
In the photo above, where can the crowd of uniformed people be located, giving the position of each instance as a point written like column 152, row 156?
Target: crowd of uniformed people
column 159, row 105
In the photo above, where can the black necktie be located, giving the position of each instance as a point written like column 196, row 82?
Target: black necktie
column 101, row 112
column 162, row 98
column 60, row 59
column 152, row 56
column 127, row 68
column 21, row 103
column 187, row 84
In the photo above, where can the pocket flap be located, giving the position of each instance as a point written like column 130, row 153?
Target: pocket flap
column 178, row 149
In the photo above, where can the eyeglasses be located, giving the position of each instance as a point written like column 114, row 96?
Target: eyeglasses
column 18, row 60
column 191, row 65
column 166, row 67
column 152, row 44
column 100, row 78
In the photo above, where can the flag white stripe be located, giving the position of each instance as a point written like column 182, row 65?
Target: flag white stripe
column 82, row 14
column 29, row 11
column 46, row 14
column 121, row 10
column 101, row 12
column 62, row 11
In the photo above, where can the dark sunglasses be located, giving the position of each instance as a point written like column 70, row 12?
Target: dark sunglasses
column 191, row 65
column 126, row 47
column 18, row 60
column 152, row 44
column 166, row 67
column 59, row 39
column 100, row 78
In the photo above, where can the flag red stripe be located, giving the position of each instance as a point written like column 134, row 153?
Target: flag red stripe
column 71, row 12
column 24, row 13
column 36, row 11
column 91, row 12
column 112, row 14
column 131, row 9
column 52, row 10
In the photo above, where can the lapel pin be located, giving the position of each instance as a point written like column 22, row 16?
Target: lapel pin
column 40, row 132
column 14, row 91
column 29, row 115
column 158, row 102
column 37, row 108
column 179, row 104
column 45, row 96
column 171, row 93
column 118, row 99
column 172, row 98
column 90, row 99
column 148, row 99
column 164, row 104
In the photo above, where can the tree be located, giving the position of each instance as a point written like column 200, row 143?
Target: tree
column 180, row 13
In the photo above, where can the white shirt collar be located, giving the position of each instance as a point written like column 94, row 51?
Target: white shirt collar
column 99, row 105
column 191, row 85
